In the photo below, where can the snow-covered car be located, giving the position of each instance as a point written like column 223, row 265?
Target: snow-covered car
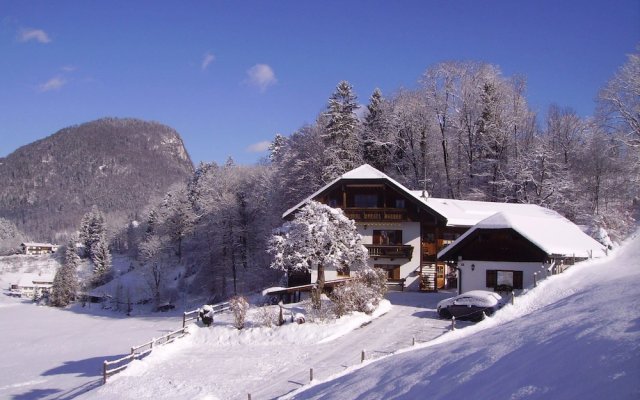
column 472, row 305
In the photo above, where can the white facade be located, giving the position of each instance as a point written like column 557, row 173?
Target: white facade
column 474, row 273
column 409, row 269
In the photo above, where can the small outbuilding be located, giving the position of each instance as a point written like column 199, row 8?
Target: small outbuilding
column 507, row 251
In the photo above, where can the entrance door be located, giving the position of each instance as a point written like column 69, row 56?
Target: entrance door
column 440, row 276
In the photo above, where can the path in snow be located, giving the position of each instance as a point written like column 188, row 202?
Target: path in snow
column 199, row 368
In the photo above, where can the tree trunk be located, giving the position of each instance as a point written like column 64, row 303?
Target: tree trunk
column 316, row 296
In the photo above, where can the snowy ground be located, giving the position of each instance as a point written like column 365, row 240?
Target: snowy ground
column 49, row 353
column 576, row 336
column 221, row 362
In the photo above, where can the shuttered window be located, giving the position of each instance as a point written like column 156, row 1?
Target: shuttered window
column 510, row 278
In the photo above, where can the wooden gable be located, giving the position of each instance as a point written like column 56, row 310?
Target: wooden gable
column 496, row 245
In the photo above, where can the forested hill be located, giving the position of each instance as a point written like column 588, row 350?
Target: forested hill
column 116, row 164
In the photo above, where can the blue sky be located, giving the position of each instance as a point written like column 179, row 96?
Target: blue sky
column 230, row 75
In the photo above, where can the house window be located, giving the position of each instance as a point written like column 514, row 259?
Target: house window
column 399, row 203
column 502, row 279
column 387, row 237
column 365, row 200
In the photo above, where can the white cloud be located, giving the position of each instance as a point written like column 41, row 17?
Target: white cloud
column 34, row 34
column 68, row 68
column 54, row 83
column 259, row 147
column 261, row 76
column 208, row 59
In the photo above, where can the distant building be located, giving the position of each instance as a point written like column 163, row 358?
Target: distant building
column 38, row 248
column 33, row 285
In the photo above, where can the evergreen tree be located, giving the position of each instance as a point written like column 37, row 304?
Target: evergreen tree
column 101, row 257
column 340, row 135
column 65, row 283
column 375, row 141
column 92, row 228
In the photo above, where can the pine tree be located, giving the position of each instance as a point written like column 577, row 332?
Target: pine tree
column 65, row 283
column 92, row 228
column 341, row 132
column 101, row 258
column 375, row 141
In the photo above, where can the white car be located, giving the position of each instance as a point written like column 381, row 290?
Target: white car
column 472, row 305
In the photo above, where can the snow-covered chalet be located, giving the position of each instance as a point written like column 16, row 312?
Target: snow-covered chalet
column 427, row 243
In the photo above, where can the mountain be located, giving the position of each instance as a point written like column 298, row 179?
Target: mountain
column 115, row 164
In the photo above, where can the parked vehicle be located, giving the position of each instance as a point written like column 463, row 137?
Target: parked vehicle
column 472, row 305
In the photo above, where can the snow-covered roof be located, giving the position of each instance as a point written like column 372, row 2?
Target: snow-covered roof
column 33, row 244
column 464, row 213
column 546, row 229
column 27, row 280
column 467, row 213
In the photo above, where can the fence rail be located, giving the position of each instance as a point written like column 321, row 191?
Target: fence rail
column 193, row 315
column 122, row 363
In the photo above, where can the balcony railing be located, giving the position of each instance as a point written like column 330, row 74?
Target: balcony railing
column 376, row 214
column 389, row 251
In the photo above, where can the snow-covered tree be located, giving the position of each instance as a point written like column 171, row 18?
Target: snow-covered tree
column 101, row 258
column 317, row 238
column 376, row 146
column 65, row 282
column 619, row 101
column 92, row 230
column 341, row 132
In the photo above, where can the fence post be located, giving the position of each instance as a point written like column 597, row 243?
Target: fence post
column 453, row 323
column 310, row 374
column 104, row 373
column 248, row 396
column 413, row 343
column 362, row 356
column 133, row 350
column 535, row 279
column 184, row 319
column 513, row 297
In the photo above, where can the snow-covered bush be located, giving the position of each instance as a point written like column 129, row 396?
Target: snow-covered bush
column 239, row 307
column 363, row 293
column 267, row 316
column 322, row 314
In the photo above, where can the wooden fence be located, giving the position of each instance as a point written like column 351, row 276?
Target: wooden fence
column 110, row 368
column 193, row 315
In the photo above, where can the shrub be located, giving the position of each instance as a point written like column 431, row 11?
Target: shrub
column 239, row 307
column 363, row 293
column 267, row 316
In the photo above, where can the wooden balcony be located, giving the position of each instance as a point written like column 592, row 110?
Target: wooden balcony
column 376, row 214
column 389, row 251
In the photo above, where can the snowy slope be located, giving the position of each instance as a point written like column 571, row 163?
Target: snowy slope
column 577, row 336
